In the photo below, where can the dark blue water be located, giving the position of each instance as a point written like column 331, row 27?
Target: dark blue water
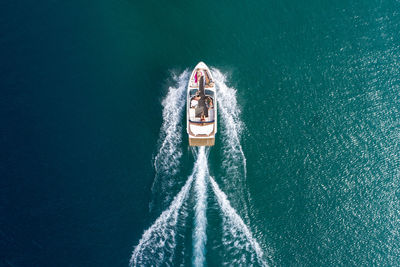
column 80, row 114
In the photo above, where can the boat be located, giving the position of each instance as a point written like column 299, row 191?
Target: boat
column 201, row 107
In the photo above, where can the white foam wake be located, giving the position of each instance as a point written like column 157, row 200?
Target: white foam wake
column 242, row 236
column 199, row 234
column 233, row 158
column 158, row 242
column 167, row 160
column 232, row 125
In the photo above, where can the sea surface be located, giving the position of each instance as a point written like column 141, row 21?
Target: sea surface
column 95, row 168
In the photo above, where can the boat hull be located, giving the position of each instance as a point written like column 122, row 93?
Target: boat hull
column 201, row 111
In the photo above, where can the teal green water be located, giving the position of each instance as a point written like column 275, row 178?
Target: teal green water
column 318, row 86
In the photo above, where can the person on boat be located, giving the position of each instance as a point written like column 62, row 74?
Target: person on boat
column 202, row 118
column 197, row 76
column 209, row 102
column 195, row 101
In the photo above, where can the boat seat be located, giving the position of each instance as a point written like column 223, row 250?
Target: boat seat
column 192, row 113
column 211, row 114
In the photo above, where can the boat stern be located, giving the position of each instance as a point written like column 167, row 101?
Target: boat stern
column 201, row 141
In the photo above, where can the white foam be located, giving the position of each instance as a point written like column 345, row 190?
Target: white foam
column 159, row 239
column 158, row 243
column 233, row 158
column 236, row 227
column 199, row 234
column 167, row 160
column 229, row 110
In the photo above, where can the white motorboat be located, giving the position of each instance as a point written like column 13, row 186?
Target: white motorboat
column 201, row 107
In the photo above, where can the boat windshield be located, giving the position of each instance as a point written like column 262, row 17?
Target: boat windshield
column 207, row 92
column 193, row 92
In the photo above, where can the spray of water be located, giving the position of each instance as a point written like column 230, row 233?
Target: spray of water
column 199, row 234
column 236, row 226
column 158, row 241
column 167, row 160
column 233, row 158
column 232, row 124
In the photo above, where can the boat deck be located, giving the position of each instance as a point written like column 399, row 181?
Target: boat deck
column 208, row 83
column 201, row 107
column 201, row 142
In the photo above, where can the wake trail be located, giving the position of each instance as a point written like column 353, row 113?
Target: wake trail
column 199, row 234
column 234, row 161
column 230, row 115
column 158, row 243
column 237, row 228
column 159, row 240
column 167, row 159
